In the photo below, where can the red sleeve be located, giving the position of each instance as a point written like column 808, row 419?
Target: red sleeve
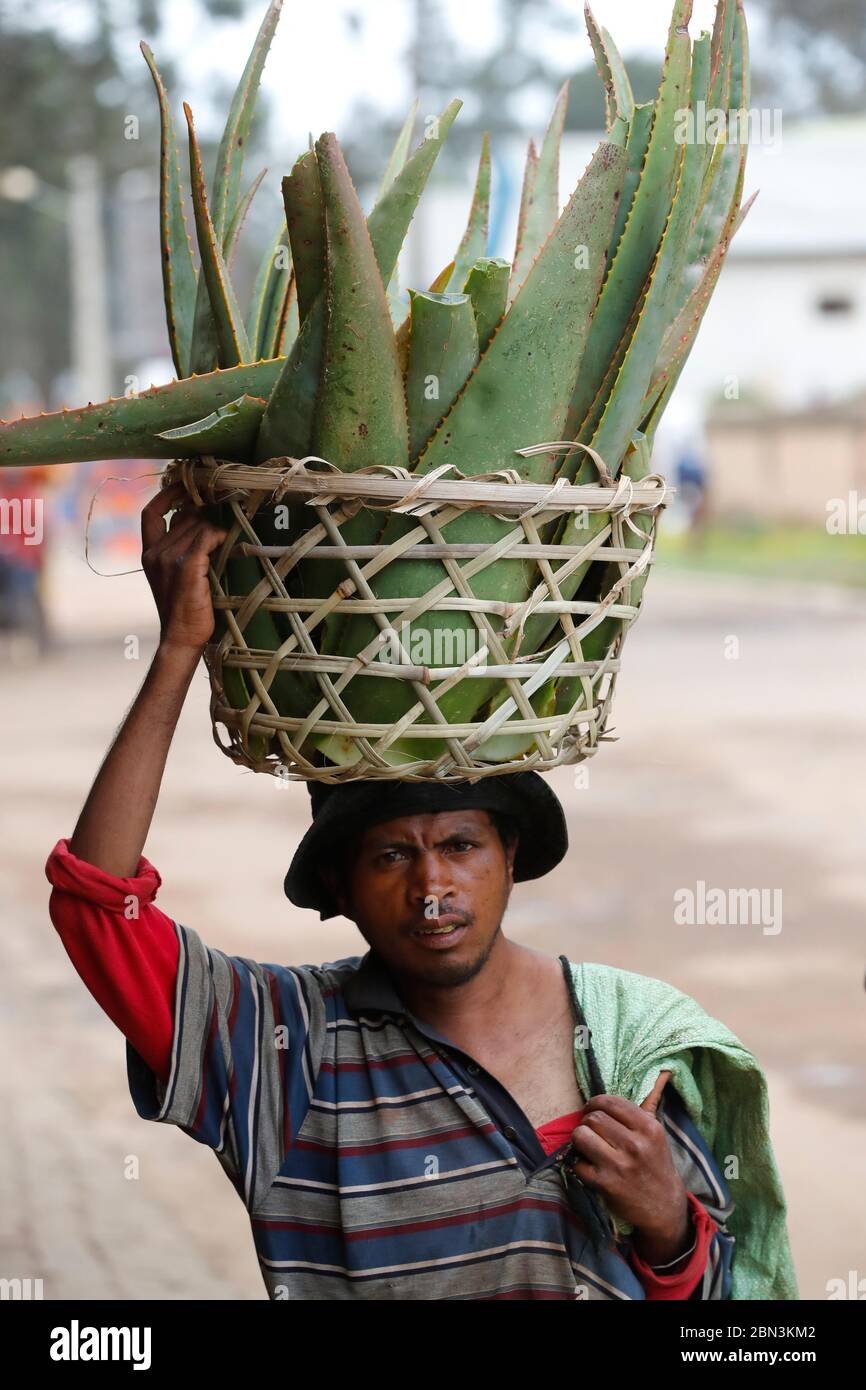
column 122, row 946
column 683, row 1283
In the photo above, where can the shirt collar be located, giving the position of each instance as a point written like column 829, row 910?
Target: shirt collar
column 371, row 987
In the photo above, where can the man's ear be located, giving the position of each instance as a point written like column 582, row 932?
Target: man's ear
column 335, row 886
column 511, row 853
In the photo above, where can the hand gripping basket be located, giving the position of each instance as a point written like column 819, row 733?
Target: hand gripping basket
column 610, row 525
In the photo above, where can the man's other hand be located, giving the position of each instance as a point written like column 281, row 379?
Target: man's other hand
column 626, row 1158
column 175, row 561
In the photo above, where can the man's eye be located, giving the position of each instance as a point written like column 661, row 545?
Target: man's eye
column 463, row 844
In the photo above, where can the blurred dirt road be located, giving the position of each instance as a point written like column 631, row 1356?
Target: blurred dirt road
column 740, row 764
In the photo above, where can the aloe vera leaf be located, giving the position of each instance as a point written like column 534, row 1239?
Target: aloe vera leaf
column 270, row 268
column 404, row 332
column 221, row 426
column 646, row 221
column 502, row 748
column 178, row 269
column 229, row 163
column 399, row 155
column 288, row 424
column 232, row 344
column 390, row 218
column 204, row 353
column 725, row 166
column 598, row 642
column 640, row 128
column 625, row 409
column 527, row 194
column 622, row 414
column 720, row 60
column 680, row 337
column 131, row 426
column 240, row 217
column 361, row 415
column 518, row 392
column 400, row 152
column 543, row 209
column 305, row 219
column 443, row 352
column 284, row 321
column 474, row 243
column 618, row 95
column 487, row 286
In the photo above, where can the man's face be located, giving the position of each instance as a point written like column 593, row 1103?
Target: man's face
column 428, row 893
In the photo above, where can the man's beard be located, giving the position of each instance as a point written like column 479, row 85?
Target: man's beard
column 449, row 974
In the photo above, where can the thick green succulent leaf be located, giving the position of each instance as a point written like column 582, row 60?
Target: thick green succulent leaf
column 399, row 155
column 230, row 156
column 543, row 208
column 443, row 352
column 598, row 641
column 625, row 407
column 400, row 152
column 618, row 95
column 289, row 419
column 232, row 345
column 727, row 158
column 283, row 323
column 404, row 332
column 518, row 393
column 474, row 243
column 527, row 195
column 487, row 286
column 131, row 427
column 639, row 131
column 276, row 256
column 646, row 222
column 680, row 337
column 722, row 49
column 178, row 269
column 305, row 219
column 361, row 415
column 390, row 218
column 223, row 427
column 239, row 218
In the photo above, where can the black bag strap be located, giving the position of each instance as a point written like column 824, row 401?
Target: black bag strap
column 596, row 1080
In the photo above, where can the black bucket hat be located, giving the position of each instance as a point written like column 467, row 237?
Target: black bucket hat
column 343, row 810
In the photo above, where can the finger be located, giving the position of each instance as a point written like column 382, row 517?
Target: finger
column 610, row 1130
column 198, row 539
column 178, row 534
column 593, row 1147
column 651, row 1104
column 152, row 516
column 623, row 1110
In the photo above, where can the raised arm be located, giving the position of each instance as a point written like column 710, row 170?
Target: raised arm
column 116, row 817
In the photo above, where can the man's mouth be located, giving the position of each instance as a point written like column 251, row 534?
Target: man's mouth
column 441, row 931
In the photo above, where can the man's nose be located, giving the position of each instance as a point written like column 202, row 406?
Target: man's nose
column 431, row 875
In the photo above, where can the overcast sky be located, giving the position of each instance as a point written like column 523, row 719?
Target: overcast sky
column 317, row 70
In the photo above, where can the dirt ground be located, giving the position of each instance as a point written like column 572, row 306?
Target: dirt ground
column 738, row 762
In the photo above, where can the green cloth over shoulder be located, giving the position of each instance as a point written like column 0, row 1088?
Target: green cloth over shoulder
column 639, row 1027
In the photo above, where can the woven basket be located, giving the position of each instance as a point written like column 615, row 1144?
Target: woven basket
column 321, row 499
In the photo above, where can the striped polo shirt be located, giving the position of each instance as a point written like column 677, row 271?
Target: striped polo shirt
column 376, row 1160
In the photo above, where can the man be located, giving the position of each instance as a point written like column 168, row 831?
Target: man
column 432, row 1120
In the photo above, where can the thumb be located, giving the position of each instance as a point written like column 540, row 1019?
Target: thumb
column 651, row 1103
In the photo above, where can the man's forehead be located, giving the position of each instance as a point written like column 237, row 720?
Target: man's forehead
column 426, row 824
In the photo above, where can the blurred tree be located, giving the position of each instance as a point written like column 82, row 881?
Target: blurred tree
column 826, row 44
column 70, row 88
